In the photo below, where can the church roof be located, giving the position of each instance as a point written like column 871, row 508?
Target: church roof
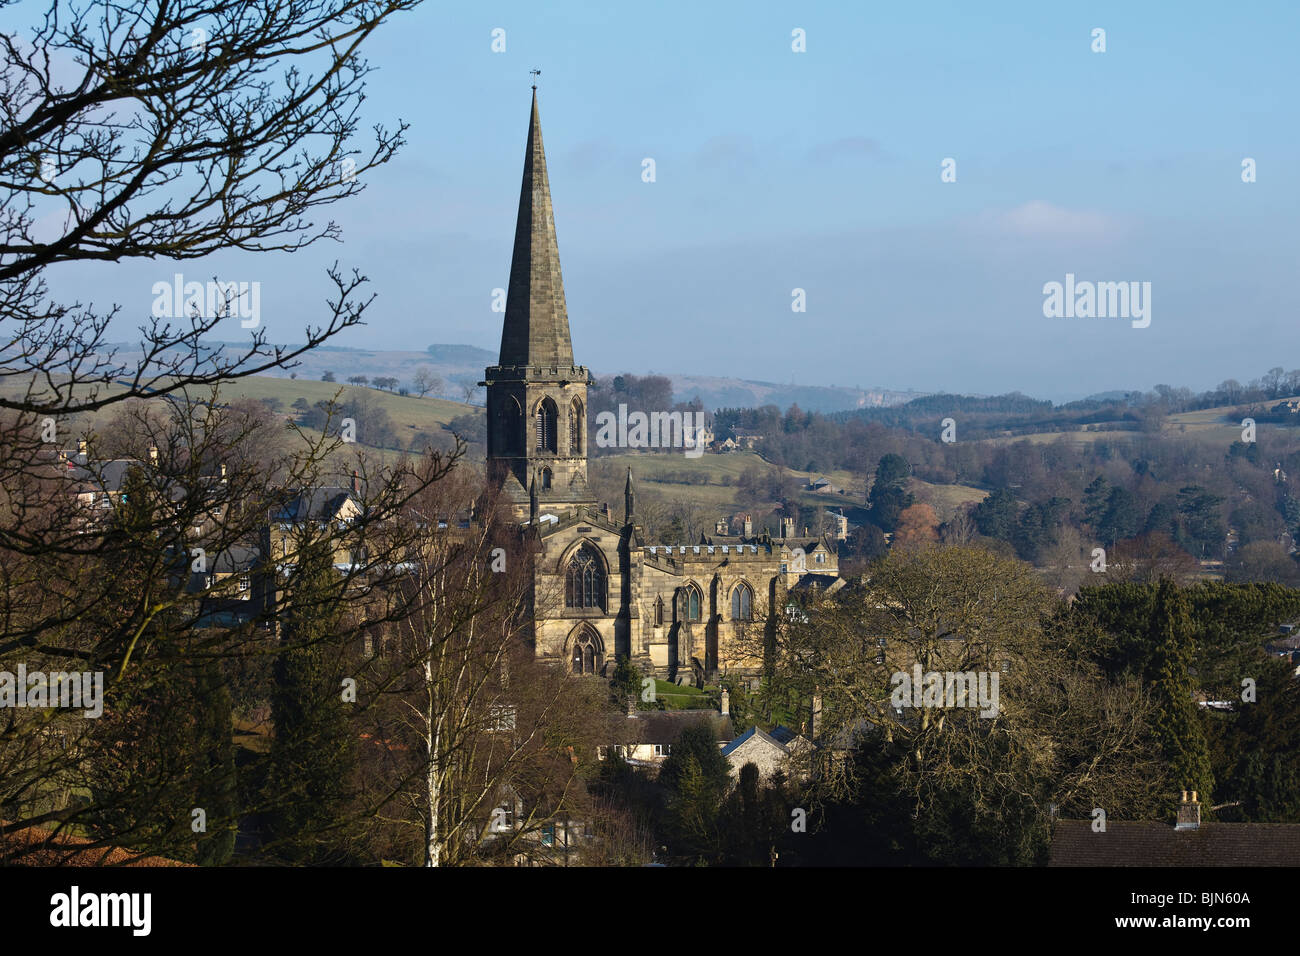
column 536, row 329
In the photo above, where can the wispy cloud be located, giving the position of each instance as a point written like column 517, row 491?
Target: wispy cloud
column 1039, row 219
column 728, row 153
column 848, row 147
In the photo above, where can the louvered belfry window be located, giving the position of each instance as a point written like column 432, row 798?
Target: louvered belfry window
column 546, row 422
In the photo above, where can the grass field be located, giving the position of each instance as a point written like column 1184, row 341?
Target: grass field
column 664, row 477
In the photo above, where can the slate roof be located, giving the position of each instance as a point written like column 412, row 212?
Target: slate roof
column 317, row 504
column 751, row 733
column 37, row 846
column 1147, row 843
column 665, row 726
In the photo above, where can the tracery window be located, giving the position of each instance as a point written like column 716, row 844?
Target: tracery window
column 585, row 580
column 692, row 601
column 742, row 603
column 583, row 659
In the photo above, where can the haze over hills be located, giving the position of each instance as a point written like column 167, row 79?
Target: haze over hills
column 461, row 367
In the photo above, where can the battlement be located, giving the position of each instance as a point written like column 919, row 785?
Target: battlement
column 686, row 551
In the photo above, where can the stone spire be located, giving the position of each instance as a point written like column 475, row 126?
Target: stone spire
column 532, row 502
column 628, row 509
column 536, row 330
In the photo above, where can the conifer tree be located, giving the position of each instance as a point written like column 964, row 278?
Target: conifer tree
column 1177, row 725
column 313, row 754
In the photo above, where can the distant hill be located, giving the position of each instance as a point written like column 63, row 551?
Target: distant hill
column 718, row 392
column 461, row 369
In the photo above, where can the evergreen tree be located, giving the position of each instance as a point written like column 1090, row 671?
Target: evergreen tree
column 313, row 754
column 217, row 793
column 1177, row 723
column 695, row 778
column 888, row 497
column 995, row 516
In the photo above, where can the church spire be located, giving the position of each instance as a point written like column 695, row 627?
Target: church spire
column 628, row 509
column 536, row 330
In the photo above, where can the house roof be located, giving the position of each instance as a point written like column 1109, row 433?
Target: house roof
column 1148, row 843
column 665, row 726
column 784, row 735
column 315, row 504
column 37, row 846
column 753, row 733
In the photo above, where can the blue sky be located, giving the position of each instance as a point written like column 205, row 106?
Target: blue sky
column 821, row 171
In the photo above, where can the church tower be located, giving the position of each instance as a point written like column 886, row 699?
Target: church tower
column 536, row 395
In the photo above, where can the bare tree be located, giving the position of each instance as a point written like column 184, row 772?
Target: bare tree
column 158, row 131
column 489, row 745
column 425, row 381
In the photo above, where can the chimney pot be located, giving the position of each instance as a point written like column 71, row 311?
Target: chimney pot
column 1189, row 812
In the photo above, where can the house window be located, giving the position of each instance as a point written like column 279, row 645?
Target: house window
column 548, row 835
column 546, row 421
column 659, row 750
column 821, row 558
column 784, row 567
column 244, row 582
column 742, row 603
column 501, row 717
column 585, row 580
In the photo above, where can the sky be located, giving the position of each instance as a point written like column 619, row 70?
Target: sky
column 820, row 170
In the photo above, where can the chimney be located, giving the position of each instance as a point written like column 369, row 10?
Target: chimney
column 631, row 705
column 356, row 483
column 749, row 526
column 815, row 724
column 726, row 703
column 223, row 471
column 1189, row 812
column 787, row 527
column 153, row 454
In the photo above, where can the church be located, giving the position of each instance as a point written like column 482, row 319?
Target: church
column 690, row 612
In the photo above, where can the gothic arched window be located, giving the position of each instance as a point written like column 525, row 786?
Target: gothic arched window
column 546, row 478
column 575, row 428
column 742, row 603
column 511, row 420
column 546, row 421
column 585, row 657
column 585, row 580
column 692, row 601
column 659, row 612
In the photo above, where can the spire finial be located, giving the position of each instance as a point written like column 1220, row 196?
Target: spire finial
column 535, row 74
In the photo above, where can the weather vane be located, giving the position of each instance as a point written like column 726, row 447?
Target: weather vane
column 535, row 75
